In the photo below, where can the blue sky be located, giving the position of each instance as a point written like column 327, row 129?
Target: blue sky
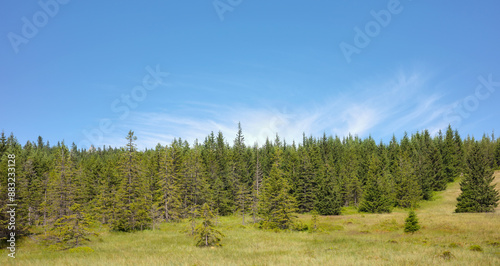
column 75, row 70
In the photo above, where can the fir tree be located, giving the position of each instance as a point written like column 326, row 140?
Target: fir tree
column 393, row 155
column 71, row 230
column 206, row 234
column 61, row 187
column 478, row 192
column 460, row 158
column 276, row 205
column 3, row 143
column 131, row 201
column 243, row 200
column 350, row 187
column 449, row 153
column 376, row 198
column 423, row 164
column 408, row 192
column 497, row 153
column 438, row 179
column 256, row 187
column 168, row 194
column 411, row 223
column 194, row 186
column 328, row 200
column 314, row 221
column 30, row 190
column 224, row 191
column 210, row 166
column 308, row 176
column 239, row 159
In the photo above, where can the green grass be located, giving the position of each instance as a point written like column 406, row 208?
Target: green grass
column 446, row 238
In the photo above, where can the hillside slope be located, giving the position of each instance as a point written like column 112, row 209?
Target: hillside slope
column 353, row 238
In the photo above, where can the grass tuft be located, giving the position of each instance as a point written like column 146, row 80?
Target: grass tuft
column 475, row 248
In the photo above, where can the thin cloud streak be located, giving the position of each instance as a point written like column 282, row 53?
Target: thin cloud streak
column 378, row 110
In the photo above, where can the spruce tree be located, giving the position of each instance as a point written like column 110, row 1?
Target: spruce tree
column 350, row 187
column 408, row 192
column 411, row 223
column 257, row 184
column 193, row 185
column 376, row 197
column 497, row 153
column 206, row 234
column 449, row 153
column 30, row 190
column 131, row 201
column 460, row 158
column 393, row 156
column 308, row 176
column 423, row 164
column 276, row 205
column 314, row 221
column 71, row 230
column 478, row 192
column 107, row 185
column 328, row 199
column 3, row 143
column 438, row 179
column 243, row 201
column 168, row 194
column 240, row 160
column 223, row 190
column 61, row 185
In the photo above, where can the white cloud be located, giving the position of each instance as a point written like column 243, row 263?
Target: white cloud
column 384, row 107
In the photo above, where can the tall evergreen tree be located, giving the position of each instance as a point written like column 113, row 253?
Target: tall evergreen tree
column 30, row 190
column 276, row 205
column 131, row 201
column 328, row 198
column 243, row 201
column 305, row 186
column 460, row 156
column 224, row 191
column 478, row 192
column 497, row 153
column 61, row 185
column 438, row 180
column 376, row 198
column 194, row 185
column 393, row 155
column 350, row 186
column 408, row 192
column 257, row 184
column 423, row 163
column 168, row 193
column 449, row 153
column 3, row 143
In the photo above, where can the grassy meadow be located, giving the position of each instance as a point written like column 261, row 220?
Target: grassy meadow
column 446, row 238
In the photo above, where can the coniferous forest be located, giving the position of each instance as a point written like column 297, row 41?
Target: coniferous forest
column 62, row 192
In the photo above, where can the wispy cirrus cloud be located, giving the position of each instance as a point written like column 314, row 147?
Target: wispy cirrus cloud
column 379, row 108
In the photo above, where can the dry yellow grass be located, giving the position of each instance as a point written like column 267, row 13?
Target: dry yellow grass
column 350, row 239
column 497, row 183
